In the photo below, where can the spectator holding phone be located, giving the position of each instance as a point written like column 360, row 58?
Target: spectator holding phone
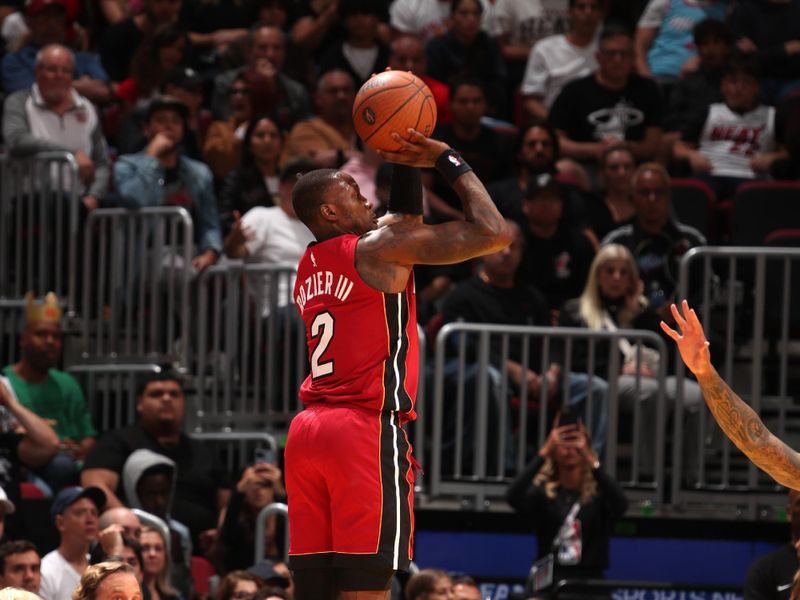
column 570, row 501
column 261, row 484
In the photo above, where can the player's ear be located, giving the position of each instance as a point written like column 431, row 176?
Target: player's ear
column 328, row 211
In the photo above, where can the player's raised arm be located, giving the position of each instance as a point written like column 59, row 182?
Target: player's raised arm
column 408, row 241
column 739, row 422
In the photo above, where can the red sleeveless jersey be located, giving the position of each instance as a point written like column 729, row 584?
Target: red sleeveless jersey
column 362, row 343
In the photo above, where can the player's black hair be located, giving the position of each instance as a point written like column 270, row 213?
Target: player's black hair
column 613, row 29
column 712, row 29
column 309, row 192
column 743, row 64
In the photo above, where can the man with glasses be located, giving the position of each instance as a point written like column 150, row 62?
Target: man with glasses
column 52, row 115
column 655, row 238
column 558, row 59
column 610, row 105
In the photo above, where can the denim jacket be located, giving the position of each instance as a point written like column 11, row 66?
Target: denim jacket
column 139, row 180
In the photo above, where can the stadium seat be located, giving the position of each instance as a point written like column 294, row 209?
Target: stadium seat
column 761, row 207
column 202, row 571
column 693, row 201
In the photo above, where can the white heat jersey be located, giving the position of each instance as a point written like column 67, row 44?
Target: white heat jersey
column 729, row 140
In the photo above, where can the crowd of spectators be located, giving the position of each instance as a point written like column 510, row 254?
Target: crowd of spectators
column 576, row 115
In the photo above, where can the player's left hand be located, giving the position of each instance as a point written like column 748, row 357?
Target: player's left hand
column 691, row 339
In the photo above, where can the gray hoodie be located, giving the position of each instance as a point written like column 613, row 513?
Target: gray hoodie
column 138, row 462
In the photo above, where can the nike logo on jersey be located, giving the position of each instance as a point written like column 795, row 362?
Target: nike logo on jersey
column 784, row 587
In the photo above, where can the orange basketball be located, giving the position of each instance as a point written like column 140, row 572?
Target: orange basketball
column 391, row 102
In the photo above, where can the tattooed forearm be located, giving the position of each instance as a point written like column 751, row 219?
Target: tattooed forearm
column 745, row 429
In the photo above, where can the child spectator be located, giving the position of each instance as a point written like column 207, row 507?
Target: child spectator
column 734, row 140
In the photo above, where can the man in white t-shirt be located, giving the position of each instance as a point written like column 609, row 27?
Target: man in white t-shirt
column 75, row 512
column 734, row 141
column 273, row 235
column 558, row 59
column 426, row 18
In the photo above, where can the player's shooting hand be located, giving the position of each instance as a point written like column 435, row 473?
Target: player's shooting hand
column 691, row 339
column 416, row 151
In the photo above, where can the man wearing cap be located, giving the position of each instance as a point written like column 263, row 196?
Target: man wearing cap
column 20, row 566
column 161, row 175
column 557, row 252
column 75, row 513
column 52, row 115
column 50, row 22
column 50, row 393
column 183, row 84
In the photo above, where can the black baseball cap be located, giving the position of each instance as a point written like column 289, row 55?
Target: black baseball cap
column 166, row 102
column 537, row 186
column 265, row 569
column 183, row 77
column 70, row 495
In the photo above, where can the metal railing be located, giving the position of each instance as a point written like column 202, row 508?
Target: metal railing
column 39, row 208
column 236, row 450
column 111, row 391
column 751, row 323
column 276, row 508
column 251, row 352
column 136, row 304
column 490, row 439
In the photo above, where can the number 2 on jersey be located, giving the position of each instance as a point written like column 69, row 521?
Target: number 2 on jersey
column 321, row 327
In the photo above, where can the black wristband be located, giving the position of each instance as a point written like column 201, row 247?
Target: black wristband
column 405, row 193
column 451, row 166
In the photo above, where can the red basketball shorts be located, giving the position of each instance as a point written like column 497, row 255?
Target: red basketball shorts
column 350, row 488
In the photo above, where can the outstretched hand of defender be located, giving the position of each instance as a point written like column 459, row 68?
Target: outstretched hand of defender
column 690, row 338
column 415, row 151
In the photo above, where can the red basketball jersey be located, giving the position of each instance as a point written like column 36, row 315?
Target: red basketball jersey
column 362, row 343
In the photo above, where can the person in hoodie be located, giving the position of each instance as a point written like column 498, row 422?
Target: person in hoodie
column 148, row 479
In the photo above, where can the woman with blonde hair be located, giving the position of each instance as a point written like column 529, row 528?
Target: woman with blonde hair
column 613, row 299
column 107, row 581
column 572, row 503
column 156, row 565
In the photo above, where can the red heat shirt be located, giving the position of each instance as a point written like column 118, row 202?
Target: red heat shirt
column 362, row 343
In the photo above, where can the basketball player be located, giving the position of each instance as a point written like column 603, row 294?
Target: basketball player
column 739, row 422
column 349, row 473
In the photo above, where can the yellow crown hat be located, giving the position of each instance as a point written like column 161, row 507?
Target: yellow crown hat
column 46, row 310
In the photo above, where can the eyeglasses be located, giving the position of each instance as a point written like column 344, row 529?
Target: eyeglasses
column 57, row 70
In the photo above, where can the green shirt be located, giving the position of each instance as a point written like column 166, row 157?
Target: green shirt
column 58, row 398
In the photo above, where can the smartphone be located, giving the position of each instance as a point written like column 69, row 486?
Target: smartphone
column 568, row 417
column 264, row 455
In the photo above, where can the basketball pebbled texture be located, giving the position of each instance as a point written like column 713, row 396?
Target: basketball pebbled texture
column 391, row 102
